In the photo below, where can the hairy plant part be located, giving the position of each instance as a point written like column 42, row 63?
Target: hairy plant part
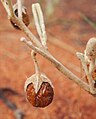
column 25, row 16
column 39, row 90
column 87, row 58
column 90, row 51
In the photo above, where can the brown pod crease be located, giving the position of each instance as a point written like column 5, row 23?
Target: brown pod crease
column 43, row 97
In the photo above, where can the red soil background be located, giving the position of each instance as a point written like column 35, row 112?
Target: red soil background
column 67, row 33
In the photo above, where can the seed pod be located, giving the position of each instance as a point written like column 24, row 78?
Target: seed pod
column 94, row 73
column 93, row 76
column 91, row 48
column 25, row 16
column 39, row 90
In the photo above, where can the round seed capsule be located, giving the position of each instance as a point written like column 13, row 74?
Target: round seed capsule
column 39, row 90
column 43, row 97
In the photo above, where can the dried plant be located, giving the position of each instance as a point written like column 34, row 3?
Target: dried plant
column 88, row 58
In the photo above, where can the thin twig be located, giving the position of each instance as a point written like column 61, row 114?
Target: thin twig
column 37, row 47
column 8, row 7
column 33, row 54
column 58, row 65
column 88, row 20
column 21, row 24
column 89, row 76
column 19, row 3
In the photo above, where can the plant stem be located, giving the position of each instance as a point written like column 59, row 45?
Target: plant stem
column 33, row 54
column 39, row 48
column 59, row 66
column 8, row 7
column 19, row 3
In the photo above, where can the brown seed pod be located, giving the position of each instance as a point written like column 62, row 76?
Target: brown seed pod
column 94, row 73
column 25, row 16
column 93, row 76
column 39, row 91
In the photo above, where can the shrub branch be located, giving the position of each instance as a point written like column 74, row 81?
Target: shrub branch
column 37, row 46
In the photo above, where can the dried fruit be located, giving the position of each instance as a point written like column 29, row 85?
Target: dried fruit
column 25, row 16
column 39, row 90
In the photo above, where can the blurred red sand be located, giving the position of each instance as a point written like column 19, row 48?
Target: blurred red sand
column 64, row 39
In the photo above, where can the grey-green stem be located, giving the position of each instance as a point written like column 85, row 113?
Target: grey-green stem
column 37, row 47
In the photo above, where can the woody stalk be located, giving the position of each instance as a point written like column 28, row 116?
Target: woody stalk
column 88, row 58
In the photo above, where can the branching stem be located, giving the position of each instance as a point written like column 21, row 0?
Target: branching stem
column 36, row 45
column 58, row 65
